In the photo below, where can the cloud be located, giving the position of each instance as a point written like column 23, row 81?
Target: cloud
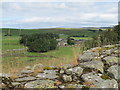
column 60, row 1
column 69, row 14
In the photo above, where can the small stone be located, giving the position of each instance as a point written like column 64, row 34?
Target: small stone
column 61, row 71
column 40, row 84
column 69, row 71
column 93, row 65
column 108, row 84
column 109, row 46
column 38, row 66
column 67, row 78
column 50, row 71
column 26, row 71
column 77, row 70
column 61, row 86
column 111, row 60
column 74, row 86
column 25, row 79
column 16, row 84
column 92, row 78
column 114, row 71
column 66, row 66
column 88, row 56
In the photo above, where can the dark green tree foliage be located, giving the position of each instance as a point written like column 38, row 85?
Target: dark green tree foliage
column 117, row 30
column 70, row 41
column 105, row 38
column 40, row 42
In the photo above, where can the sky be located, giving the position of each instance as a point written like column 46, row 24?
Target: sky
column 58, row 14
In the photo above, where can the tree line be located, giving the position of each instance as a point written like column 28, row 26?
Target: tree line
column 110, row 36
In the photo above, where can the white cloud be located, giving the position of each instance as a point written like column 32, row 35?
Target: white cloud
column 60, row 0
column 55, row 14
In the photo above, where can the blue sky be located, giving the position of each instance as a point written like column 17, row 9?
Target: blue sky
column 58, row 14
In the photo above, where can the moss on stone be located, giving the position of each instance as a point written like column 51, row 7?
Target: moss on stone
column 85, row 88
column 105, row 77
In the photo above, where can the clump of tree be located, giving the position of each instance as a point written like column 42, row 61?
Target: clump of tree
column 40, row 42
column 70, row 41
column 110, row 36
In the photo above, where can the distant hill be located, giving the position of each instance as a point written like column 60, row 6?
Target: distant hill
column 97, row 27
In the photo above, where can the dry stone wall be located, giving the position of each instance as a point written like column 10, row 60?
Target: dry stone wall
column 97, row 68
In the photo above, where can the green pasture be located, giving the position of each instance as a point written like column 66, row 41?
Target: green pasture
column 82, row 38
column 15, row 59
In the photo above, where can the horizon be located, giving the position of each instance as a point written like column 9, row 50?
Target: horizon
column 38, row 15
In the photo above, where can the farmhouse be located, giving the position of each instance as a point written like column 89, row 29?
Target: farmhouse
column 62, row 42
column 78, row 42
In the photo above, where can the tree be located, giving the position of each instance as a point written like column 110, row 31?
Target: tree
column 117, row 30
column 100, row 29
column 53, row 44
column 69, row 41
column 39, row 42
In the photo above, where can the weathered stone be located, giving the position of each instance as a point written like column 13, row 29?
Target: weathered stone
column 99, row 82
column 111, row 60
column 109, row 46
column 40, row 84
column 38, row 66
column 26, row 71
column 67, row 78
column 42, row 76
column 117, row 45
column 92, row 78
column 66, row 66
column 25, row 79
column 50, row 71
column 98, row 65
column 4, row 75
column 69, row 71
column 107, row 52
column 16, row 84
column 77, row 70
column 75, row 78
column 2, row 85
column 6, row 80
column 87, row 56
column 96, row 49
column 46, row 76
column 108, row 84
column 74, row 86
column 117, row 52
column 114, row 71
column 61, row 86
column 61, row 71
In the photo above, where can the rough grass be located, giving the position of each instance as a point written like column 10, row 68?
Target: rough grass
column 14, row 63
column 11, row 42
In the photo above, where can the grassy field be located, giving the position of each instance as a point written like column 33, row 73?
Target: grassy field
column 65, row 31
column 15, row 56
column 14, row 62
column 11, row 42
